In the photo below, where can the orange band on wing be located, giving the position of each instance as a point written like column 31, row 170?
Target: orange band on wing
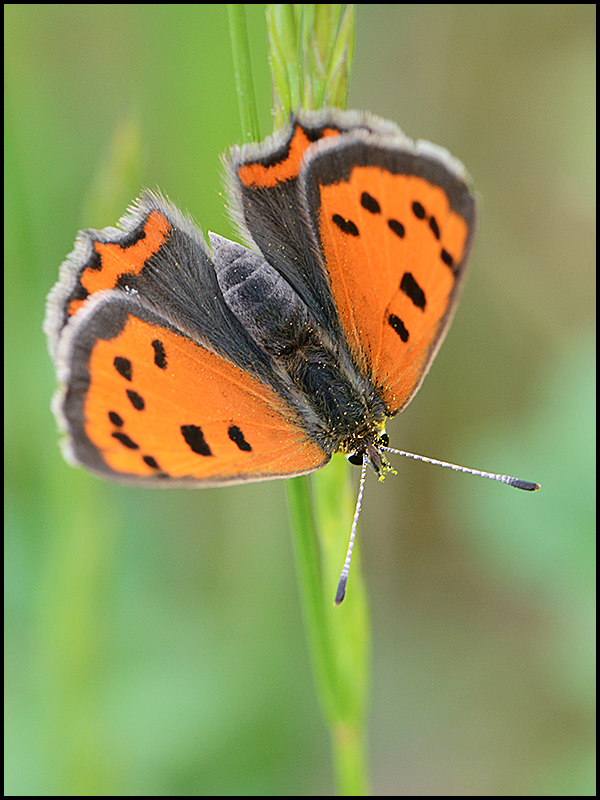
column 112, row 261
column 259, row 175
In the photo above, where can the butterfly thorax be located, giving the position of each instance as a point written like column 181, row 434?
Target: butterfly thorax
column 349, row 413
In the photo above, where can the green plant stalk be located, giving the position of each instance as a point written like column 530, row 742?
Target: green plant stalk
column 310, row 48
column 286, row 68
column 243, row 72
column 340, row 61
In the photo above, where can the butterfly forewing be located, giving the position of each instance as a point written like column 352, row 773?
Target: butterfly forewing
column 395, row 231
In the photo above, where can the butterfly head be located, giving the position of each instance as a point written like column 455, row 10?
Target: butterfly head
column 371, row 450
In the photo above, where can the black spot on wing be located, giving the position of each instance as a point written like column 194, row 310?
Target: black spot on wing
column 397, row 227
column 123, row 367
column 412, row 290
column 345, row 225
column 370, row 203
column 398, row 326
column 236, row 436
column 194, row 438
column 447, row 258
column 160, row 356
column 125, row 440
column 434, row 227
column 418, row 210
column 136, row 400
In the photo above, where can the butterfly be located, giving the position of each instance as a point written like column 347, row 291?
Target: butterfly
column 183, row 364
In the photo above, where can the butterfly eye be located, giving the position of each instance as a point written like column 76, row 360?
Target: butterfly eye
column 356, row 459
column 384, row 440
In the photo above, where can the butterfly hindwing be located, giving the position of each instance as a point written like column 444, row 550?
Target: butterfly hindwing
column 265, row 202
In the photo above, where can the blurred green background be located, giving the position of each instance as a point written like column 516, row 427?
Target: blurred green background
column 154, row 642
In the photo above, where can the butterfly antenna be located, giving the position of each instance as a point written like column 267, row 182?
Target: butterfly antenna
column 527, row 486
column 341, row 589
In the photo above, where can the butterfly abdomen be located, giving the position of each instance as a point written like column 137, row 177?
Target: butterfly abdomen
column 264, row 302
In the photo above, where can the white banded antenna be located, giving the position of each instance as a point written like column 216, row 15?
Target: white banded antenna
column 527, row 486
column 341, row 589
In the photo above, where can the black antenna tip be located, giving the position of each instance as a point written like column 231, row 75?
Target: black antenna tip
column 527, row 486
column 341, row 590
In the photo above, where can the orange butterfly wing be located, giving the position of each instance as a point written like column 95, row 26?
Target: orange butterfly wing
column 395, row 229
column 146, row 402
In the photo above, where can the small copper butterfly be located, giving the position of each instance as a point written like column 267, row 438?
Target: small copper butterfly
column 184, row 365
